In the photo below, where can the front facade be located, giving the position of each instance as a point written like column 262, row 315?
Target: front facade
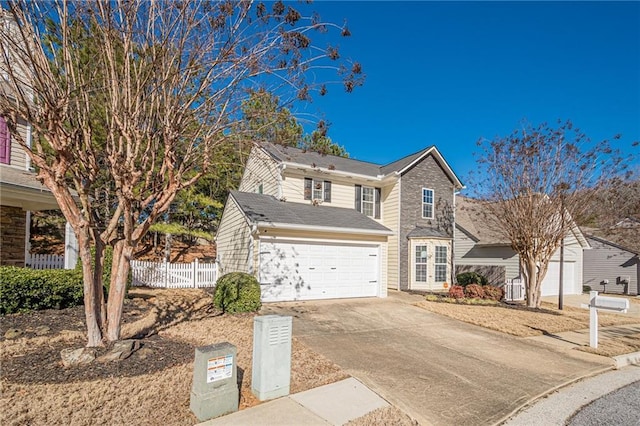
column 481, row 249
column 363, row 228
column 611, row 268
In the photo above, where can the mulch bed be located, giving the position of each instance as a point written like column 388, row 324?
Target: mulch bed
column 44, row 365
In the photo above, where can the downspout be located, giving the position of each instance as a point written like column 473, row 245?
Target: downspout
column 251, row 254
column 453, row 239
column 280, row 192
column 398, row 234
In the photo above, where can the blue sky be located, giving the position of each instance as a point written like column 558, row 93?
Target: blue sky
column 449, row 73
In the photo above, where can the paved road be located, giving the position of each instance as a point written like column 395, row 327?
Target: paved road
column 619, row 408
column 439, row 371
column 558, row 407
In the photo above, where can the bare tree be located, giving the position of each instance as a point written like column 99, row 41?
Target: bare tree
column 534, row 182
column 163, row 82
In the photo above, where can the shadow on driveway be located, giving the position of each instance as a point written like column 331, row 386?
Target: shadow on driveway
column 438, row 370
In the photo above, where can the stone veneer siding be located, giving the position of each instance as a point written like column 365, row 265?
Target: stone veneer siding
column 426, row 174
column 12, row 235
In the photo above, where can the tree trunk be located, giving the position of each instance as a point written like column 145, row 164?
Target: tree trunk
column 532, row 282
column 91, row 307
column 101, row 309
column 118, row 288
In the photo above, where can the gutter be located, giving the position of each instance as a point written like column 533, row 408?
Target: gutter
column 298, row 227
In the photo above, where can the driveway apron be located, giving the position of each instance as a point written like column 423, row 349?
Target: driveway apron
column 438, row 370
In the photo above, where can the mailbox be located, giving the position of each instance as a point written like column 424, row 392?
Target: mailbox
column 610, row 303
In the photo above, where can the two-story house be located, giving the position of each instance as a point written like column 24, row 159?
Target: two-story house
column 312, row 226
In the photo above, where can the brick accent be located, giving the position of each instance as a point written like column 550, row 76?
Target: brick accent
column 12, row 235
column 426, row 174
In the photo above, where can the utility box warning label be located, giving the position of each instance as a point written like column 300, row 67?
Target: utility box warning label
column 219, row 368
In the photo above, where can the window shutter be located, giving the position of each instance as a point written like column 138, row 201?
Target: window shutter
column 359, row 198
column 308, row 182
column 327, row 191
column 5, row 142
column 377, row 204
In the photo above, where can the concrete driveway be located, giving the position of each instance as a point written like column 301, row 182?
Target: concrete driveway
column 438, row 370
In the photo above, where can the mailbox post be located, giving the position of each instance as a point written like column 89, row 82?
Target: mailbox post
column 596, row 302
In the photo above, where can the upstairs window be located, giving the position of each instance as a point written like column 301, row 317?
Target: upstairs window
column 317, row 189
column 368, row 201
column 427, row 203
column 5, row 142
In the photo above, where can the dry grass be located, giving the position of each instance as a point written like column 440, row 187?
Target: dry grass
column 621, row 345
column 161, row 397
column 384, row 416
column 523, row 322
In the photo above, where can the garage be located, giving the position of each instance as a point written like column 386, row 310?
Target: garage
column 551, row 281
column 302, row 270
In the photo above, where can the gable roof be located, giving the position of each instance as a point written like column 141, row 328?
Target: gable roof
column 285, row 154
column 473, row 220
column 267, row 211
column 612, row 244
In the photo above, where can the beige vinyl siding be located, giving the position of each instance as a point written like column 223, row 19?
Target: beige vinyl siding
column 261, row 169
column 389, row 204
column 233, row 240
column 466, row 253
column 18, row 156
column 342, row 190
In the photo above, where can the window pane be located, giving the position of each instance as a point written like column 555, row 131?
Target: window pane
column 318, row 190
column 441, row 273
column 441, row 254
column 427, row 196
column 421, row 273
column 427, row 203
column 427, row 210
column 368, row 197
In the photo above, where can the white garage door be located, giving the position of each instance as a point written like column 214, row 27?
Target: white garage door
column 306, row 271
column 551, row 281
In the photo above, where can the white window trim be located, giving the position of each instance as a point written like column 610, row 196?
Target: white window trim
column 373, row 202
column 314, row 182
column 436, row 263
column 422, row 204
column 416, row 263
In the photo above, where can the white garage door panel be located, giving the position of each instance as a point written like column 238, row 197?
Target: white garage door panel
column 551, row 281
column 305, row 271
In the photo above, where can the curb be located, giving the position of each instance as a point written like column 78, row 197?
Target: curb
column 546, row 393
column 627, row 359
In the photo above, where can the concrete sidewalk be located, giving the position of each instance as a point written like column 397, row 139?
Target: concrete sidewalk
column 332, row 404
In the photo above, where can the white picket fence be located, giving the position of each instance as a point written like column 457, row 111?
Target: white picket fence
column 44, row 261
column 514, row 290
column 173, row 275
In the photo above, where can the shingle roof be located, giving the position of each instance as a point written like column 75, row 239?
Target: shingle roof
column 19, row 177
column 471, row 217
column 424, row 232
column 267, row 209
column 403, row 162
column 314, row 159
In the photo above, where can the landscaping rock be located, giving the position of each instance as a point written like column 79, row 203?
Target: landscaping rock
column 13, row 333
column 42, row 330
column 144, row 353
column 80, row 356
column 121, row 349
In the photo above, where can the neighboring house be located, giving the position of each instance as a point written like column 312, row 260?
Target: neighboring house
column 312, row 226
column 478, row 247
column 20, row 191
column 611, row 268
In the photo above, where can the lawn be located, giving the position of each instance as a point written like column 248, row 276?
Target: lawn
column 518, row 320
column 152, row 386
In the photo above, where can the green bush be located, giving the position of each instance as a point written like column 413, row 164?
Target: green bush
column 23, row 289
column 493, row 293
column 237, row 292
column 467, row 278
column 586, row 288
column 474, row 291
column 456, row 292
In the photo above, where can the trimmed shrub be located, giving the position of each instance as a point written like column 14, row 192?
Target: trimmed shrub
column 586, row 288
column 456, row 292
column 492, row 292
column 24, row 289
column 467, row 278
column 237, row 292
column 474, row 291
